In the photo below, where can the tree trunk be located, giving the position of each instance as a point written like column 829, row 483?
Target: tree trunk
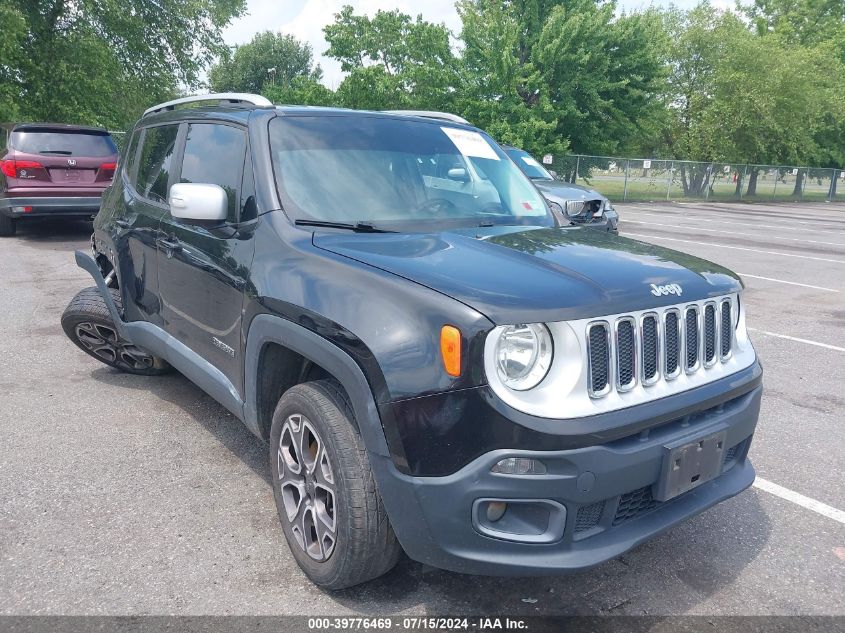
column 799, row 182
column 752, row 183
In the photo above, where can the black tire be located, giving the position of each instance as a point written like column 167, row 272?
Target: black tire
column 364, row 545
column 87, row 322
column 8, row 225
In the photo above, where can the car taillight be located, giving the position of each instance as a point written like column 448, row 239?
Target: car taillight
column 11, row 168
column 107, row 169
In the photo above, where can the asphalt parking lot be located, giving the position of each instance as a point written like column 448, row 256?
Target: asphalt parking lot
column 132, row 495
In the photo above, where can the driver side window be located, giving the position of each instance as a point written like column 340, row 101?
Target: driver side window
column 155, row 162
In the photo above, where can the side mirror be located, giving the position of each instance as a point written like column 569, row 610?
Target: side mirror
column 458, row 173
column 198, row 202
column 553, row 173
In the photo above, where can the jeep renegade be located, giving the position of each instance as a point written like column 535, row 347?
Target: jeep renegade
column 437, row 366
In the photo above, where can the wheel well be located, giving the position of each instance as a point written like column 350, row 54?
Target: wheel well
column 106, row 267
column 279, row 369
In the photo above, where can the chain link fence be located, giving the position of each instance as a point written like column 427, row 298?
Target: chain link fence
column 645, row 180
column 119, row 139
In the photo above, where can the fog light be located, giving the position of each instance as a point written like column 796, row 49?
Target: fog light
column 519, row 466
column 496, row 510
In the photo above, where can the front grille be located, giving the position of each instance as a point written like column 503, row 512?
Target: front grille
column 625, row 350
column 691, row 338
column 650, row 349
column 673, row 344
column 588, row 516
column 626, row 354
column 727, row 329
column 709, row 334
column 598, row 341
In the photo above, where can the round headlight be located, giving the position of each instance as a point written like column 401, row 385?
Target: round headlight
column 523, row 355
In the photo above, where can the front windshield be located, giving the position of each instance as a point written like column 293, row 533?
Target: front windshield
column 531, row 167
column 397, row 174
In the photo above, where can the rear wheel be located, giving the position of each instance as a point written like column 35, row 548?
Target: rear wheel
column 331, row 512
column 8, row 225
column 87, row 322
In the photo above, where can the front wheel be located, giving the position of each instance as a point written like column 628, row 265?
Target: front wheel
column 87, row 322
column 331, row 512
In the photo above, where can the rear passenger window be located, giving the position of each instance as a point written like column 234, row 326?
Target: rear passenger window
column 155, row 162
column 213, row 155
column 129, row 155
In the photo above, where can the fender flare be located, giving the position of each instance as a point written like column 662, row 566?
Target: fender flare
column 87, row 263
column 266, row 328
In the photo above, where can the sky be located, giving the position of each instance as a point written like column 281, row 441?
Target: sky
column 305, row 20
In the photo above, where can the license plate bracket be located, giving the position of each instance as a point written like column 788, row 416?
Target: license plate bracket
column 688, row 464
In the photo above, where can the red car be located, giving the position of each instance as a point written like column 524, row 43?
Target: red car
column 49, row 169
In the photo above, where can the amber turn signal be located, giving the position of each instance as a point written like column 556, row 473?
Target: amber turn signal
column 450, row 349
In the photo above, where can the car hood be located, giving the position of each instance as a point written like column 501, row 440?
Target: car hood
column 519, row 274
column 557, row 190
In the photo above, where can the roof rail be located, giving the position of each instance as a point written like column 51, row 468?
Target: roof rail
column 431, row 114
column 230, row 97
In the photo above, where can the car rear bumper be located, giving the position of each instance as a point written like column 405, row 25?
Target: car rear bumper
column 50, row 206
column 594, row 502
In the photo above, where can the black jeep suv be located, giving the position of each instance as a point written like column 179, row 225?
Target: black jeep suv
column 437, row 366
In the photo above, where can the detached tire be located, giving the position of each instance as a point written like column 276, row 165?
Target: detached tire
column 8, row 225
column 331, row 512
column 87, row 322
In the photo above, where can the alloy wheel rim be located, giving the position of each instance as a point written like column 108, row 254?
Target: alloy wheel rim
column 104, row 343
column 307, row 485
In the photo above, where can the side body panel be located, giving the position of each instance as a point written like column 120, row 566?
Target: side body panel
column 125, row 230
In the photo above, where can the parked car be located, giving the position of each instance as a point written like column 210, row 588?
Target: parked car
column 575, row 203
column 48, row 169
column 463, row 379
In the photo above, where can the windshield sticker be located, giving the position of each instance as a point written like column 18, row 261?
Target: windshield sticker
column 530, row 161
column 470, row 144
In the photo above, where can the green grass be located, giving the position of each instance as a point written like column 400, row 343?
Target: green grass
column 655, row 189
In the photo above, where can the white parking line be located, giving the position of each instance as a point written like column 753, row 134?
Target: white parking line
column 798, row 340
column 799, row 499
column 737, row 248
column 791, row 283
column 788, row 225
column 701, row 228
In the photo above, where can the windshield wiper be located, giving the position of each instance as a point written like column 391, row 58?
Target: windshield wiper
column 63, row 152
column 358, row 227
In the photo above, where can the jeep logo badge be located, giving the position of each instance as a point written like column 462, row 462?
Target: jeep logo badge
column 668, row 289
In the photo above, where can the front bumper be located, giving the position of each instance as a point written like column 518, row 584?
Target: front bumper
column 605, row 491
column 66, row 206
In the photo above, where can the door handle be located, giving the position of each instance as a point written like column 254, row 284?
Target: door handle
column 169, row 244
column 124, row 224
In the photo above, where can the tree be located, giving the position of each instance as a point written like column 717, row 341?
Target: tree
column 300, row 91
column 268, row 58
column 393, row 61
column 103, row 61
column 13, row 28
column 740, row 97
column 570, row 67
column 820, row 25
column 805, row 22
